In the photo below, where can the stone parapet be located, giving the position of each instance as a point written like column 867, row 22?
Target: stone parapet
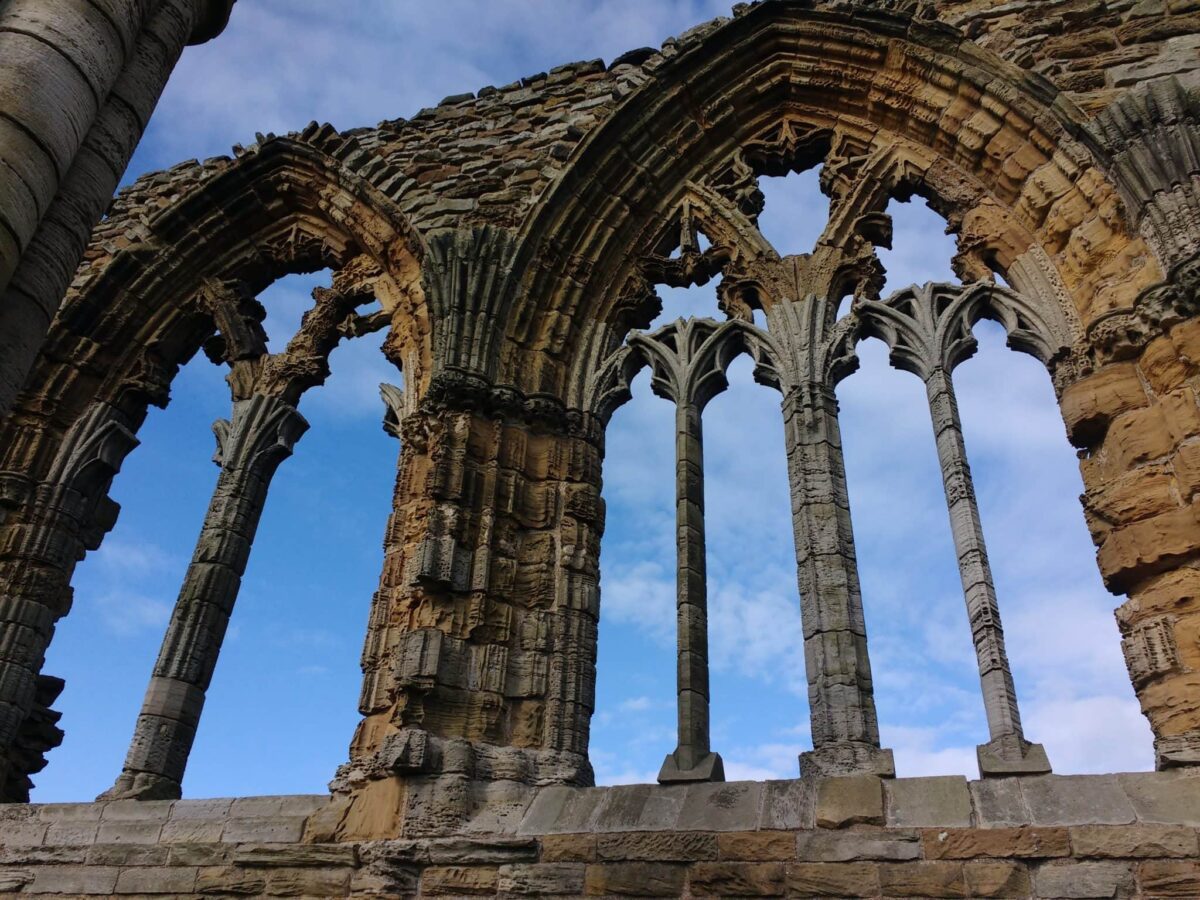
column 1080, row 836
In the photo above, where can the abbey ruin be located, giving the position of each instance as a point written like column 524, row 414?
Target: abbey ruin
column 513, row 239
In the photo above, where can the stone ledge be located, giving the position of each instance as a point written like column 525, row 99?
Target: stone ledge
column 1044, row 836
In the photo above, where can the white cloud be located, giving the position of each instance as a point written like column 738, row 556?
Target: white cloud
column 127, row 614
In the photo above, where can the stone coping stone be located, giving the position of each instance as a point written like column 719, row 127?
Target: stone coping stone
column 1152, row 798
column 1171, row 797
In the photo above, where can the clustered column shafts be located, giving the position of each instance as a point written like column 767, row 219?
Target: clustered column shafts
column 845, row 730
column 38, row 554
column 1007, row 753
column 260, row 435
column 692, row 759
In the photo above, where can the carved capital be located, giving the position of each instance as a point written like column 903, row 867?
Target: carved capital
column 260, row 435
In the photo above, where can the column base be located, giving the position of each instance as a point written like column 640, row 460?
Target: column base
column 849, row 758
column 143, row 786
column 1011, row 755
column 710, row 768
column 1177, row 750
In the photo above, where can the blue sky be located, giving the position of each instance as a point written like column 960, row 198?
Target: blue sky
column 282, row 705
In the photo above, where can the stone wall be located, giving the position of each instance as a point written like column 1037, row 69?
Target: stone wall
column 1086, row 836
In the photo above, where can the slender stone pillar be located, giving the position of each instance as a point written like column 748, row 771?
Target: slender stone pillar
column 845, row 731
column 261, row 434
column 1007, row 752
column 692, row 759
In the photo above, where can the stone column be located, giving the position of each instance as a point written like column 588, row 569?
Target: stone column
column 64, row 516
column 845, row 731
column 250, row 447
column 80, row 81
column 1007, row 752
column 692, row 759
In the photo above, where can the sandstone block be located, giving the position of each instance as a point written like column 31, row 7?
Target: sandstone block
column 854, row 800
column 1170, row 878
column 543, row 878
column 997, row 879
column 757, row 845
column 69, row 812
column 282, row 806
column 24, row 833
column 192, row 831
column 271, row 830
column 150, row 811
column 848, row 846
column 1090, row 404
column 996, row 843
column 720, row 807
column 295, row 855
column 209, row 810
column 156, row 880
column 943, row 800
column 127, row 855
column 128, row 832
column 1133, row 841
column 27, row 855
column 568, row 848
column 440, row 880
column 663, row 846
column 1077, row 800
column 1083, row 880
column 308, row 882
column 1171, row 798
column 734, row 879
column 229, row 880
column 74, row 880
column 832, row 880
column 200, row 854
column 923, row 879
column 641, row 879
column 1162, row 366
column 71, row 833
column 640, row 807
column 788, row 804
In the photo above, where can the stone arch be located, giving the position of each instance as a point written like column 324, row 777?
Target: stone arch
column 1000, row 153
column 177, row 268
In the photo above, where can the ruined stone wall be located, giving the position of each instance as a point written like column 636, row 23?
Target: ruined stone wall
column 1092, row 49
column 514, row 236
column 1102, row 836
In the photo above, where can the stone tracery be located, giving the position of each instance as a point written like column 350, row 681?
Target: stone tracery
column 512, row 292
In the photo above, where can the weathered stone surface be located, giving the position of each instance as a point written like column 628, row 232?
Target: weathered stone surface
column 928, row 801
column 1170, row 878
column 847, row 846
column 1159, row 841
column 569, row 848
column 661, row 846
column 1077, row 800
column 546, row 878
column 736, row 879
column 997, row 843
column 832, row 880
column 457, row 880
column 1083, row 880
column 757, row 845
column 856, row 800
column 997, row 879
column 635, row 879
column 1164, row 797
column 488, row 230
column 923, row 879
